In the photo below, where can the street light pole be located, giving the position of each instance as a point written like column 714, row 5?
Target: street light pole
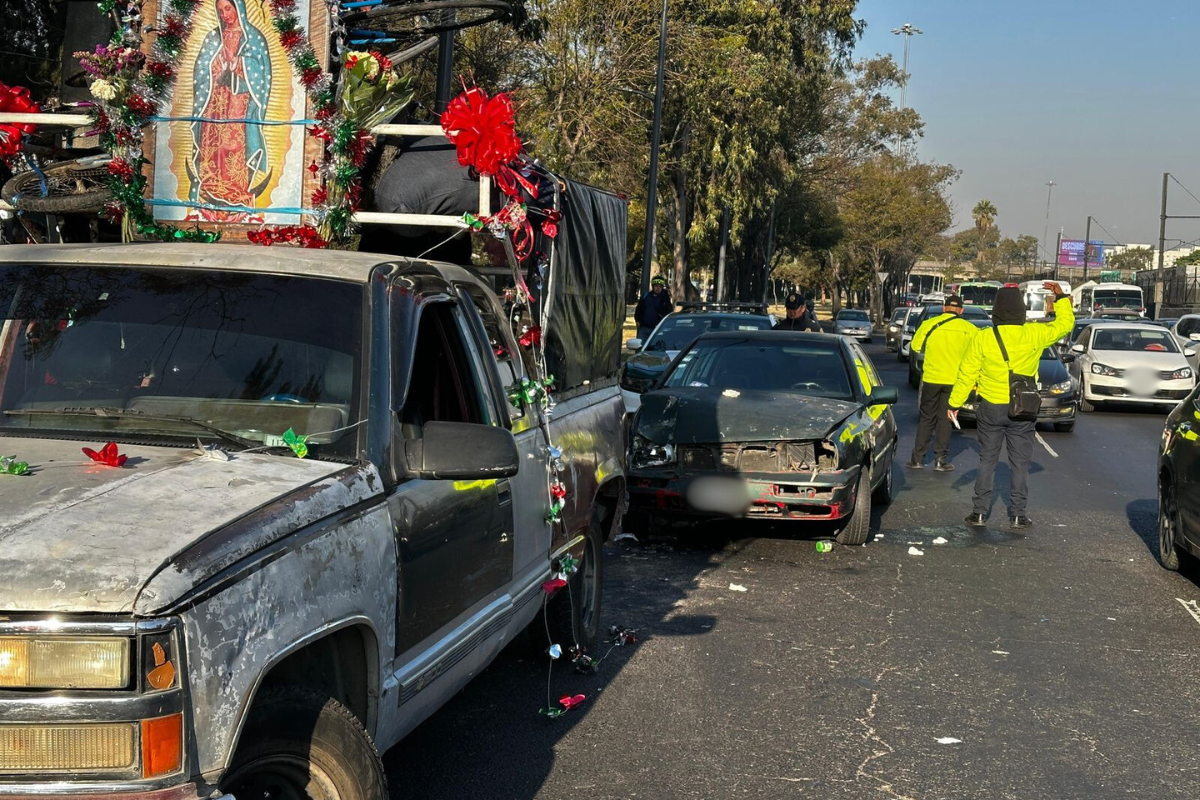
column 1087, row 243
column 907, row 30
column 655, row 143
column 1046, row 227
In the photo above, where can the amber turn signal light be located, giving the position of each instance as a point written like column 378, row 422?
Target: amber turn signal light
column 162, row 746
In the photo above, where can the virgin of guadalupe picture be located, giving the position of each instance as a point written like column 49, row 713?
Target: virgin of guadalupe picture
column 232, row 147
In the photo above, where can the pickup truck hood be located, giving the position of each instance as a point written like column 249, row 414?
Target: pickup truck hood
column 703, row 415
column 82, row 537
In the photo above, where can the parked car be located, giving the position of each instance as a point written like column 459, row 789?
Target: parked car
column 322, row 513
column 1132, row 363
column 795, row 424
column 675, row 332
column 1179, row 483
column 853, row 322
column 916, row 365
column 1164, row 322
column 972, row 313
column 1058, row 390
column 895, row 326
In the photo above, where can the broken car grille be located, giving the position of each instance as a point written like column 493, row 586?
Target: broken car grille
column 759, row 457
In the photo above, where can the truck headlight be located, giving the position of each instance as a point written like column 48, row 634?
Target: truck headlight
column 651, row 454
column 35, row 662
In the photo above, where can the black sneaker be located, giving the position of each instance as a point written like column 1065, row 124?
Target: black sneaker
column 943, row 465
column 913, row 463
column 1020, row 521
column 976, row 520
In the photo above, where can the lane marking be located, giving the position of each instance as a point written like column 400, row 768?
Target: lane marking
column 1191, row 607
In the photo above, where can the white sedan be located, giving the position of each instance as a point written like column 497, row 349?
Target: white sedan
column 854, row 323
column 1131, row 363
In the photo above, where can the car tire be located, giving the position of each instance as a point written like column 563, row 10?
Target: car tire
column 858, row 527
column 1064, row 427
column 1169, row 551
column 573, row 614
column 883, row 492
column 1086, row 405
column 913, row 380
column 298, row 742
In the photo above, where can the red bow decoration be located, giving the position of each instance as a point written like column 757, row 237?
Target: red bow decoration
column 570, row 701
column 550, row 224
column 558, row 491
column 531, row 337
column 482, row 129
column 108, row 455
column 553, row 585
column 15, row 99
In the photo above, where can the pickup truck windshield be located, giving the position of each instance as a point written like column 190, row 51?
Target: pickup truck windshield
column 135, row 353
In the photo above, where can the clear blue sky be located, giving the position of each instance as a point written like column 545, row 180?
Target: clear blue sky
column 1102, row 97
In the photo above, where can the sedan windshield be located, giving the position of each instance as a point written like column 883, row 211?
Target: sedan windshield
column 678, row 331
column 853, row 316
column 1135, row 339
column 815, row 368
column 116, row 352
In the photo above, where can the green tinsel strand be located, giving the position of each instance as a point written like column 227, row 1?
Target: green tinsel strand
column 345, row 173
column 307, row 60
column 284, row 24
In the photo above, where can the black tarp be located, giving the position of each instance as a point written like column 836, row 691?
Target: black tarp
column 584, row 283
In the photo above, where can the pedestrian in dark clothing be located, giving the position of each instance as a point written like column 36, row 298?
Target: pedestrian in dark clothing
column 799, row 317
column 653, row 306
column 1012, row 347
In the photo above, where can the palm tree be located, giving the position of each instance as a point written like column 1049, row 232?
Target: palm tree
column 984, row 214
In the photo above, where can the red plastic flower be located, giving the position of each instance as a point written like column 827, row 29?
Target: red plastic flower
column 320, row 196
column 14, row 99
column 108, row 455
column 531, row 337
column 553, row 585
column 549, row 229
column 558, row 491
column 482, row 129
column 570, row 701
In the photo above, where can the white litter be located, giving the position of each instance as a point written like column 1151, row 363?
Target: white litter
column 912, row 551
column 940, row 540
column 621, row 536
column 731, row 393
column 1042, row 442
column 737, row 587
column 949, row 740
column 1000, row 652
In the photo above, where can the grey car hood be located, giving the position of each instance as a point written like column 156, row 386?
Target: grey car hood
column 702, row 415
column 82, row 537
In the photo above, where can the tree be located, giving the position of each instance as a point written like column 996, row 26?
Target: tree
column 984, row 215
column 1191, row 259
column 1132, row 259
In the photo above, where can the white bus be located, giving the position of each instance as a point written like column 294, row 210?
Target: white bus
column 925, row 285
column 1038, row 299
column 1091, row 298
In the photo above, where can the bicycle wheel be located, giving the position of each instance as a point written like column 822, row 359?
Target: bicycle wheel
column 409, row 53
column 436, row 16
column 72, row 187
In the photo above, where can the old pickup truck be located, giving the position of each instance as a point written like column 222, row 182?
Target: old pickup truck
column 321, row 515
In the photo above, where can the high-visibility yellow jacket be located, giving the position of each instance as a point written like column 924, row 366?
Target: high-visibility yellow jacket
column 946, row 349
column 983, row 365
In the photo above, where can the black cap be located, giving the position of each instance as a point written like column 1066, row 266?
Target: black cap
column 793, row 302
column 954, row 300
column 1009, row 307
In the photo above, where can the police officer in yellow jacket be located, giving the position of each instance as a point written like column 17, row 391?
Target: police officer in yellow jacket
column 985, row 369
column 943, row 339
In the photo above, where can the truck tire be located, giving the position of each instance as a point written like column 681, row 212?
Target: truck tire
column 302, row 743
column 856, row 529
column 573, row 615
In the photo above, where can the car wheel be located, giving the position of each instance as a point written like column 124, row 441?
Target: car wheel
column 1064, row 427
column 299, row 743
column 883, row 492
column 1168, row 525
column 913, row 380
column 855, row 530
column 1084, row 403
column 573, row 615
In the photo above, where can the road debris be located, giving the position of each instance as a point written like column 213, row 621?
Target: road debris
column 941, row 540
column 737, row 587
column 912, row 551
column 949, row 740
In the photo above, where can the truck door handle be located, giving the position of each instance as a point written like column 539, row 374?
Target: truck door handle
column 503, row 493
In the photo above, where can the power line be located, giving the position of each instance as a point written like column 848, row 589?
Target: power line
column 1181, row 186
column 1106, row 231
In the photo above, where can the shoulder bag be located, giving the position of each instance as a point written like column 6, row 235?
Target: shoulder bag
column 1023, row 398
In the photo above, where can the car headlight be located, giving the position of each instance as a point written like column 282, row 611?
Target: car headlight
column 1062, row 388
column 1179, row 374
column 650, row 454
column 1104, row 369
column 32, row 662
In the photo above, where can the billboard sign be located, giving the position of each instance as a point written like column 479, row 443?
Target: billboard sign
column 1070, row 252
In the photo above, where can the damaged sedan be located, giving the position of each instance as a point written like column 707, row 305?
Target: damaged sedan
column 768, row 425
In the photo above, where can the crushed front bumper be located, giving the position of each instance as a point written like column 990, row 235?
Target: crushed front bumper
column 782, row 496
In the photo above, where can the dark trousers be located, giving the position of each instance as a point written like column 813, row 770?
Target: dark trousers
column 934, row 424
column 996, row 429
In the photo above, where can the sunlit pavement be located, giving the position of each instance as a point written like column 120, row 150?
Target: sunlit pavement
column 1061, row 662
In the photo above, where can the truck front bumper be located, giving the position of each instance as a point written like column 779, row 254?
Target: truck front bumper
column 60, row 791
column 785, row 496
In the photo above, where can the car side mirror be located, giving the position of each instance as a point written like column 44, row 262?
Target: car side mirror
column 1068, row 358
column 1195, row 337
column 1078, row 348
column 462, row 451
column 633, row 344
column 885, row 395
column 1189, row 353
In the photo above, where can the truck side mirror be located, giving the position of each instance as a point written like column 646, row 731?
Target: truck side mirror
column 462, row 451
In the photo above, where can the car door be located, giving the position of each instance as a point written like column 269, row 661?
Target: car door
column 883, row 422
column 1081, row 366
column 1185, row 454
column 453, row 537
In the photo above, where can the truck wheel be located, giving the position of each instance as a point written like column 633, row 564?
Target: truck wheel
column 573, row 615
column 299, row 743
column 859, row 525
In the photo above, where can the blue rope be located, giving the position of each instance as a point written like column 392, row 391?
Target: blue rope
column 247, row 121
column 247, row 209
column 361, row 3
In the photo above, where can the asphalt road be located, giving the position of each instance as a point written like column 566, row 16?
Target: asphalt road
column 1061, row 663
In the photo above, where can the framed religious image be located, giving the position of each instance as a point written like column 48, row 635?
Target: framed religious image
column 231, row 148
